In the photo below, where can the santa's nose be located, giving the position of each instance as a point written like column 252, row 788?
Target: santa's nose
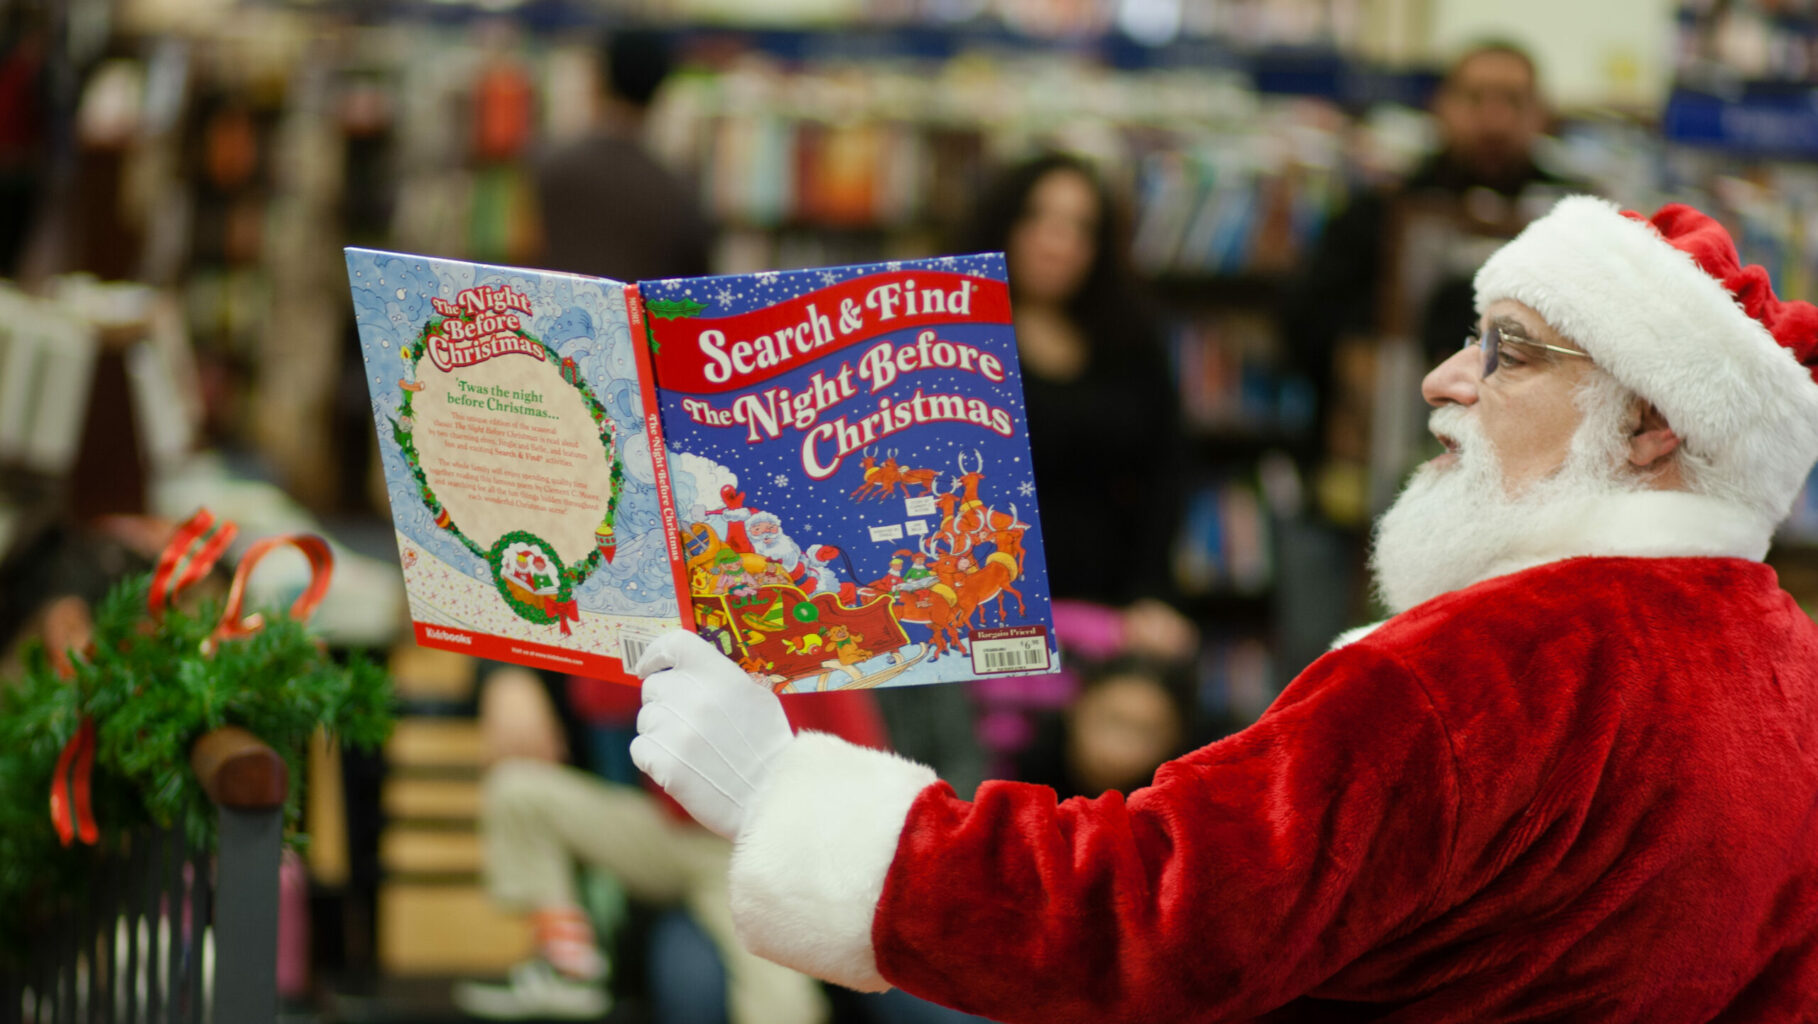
column 1455, row 380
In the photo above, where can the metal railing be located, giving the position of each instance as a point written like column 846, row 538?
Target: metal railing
column 165, row 934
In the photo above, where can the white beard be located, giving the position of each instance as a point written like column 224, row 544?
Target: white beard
column 781, row 548
column 1453, row 526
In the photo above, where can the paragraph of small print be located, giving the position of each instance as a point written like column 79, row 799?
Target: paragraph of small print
column 1010, row 649
column 891, row 531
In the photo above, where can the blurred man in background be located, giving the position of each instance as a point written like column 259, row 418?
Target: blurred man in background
column 605, row 205
column 1489, row 114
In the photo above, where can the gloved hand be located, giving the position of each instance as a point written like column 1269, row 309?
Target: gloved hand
column 707, row 733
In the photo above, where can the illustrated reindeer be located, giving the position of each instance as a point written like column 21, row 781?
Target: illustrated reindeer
column 883, row 479
column 929, row 607
column 967, row 521
column 874, row 476
column 976, row 583
column 933, row 605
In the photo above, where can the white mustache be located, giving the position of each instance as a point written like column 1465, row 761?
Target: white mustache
column 1455, row 422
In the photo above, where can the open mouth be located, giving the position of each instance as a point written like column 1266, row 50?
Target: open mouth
column 1452, row 445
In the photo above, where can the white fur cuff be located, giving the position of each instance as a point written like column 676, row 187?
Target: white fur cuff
column 809, row 863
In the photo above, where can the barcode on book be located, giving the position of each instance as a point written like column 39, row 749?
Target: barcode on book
column 631, row 648
column 1010, row 650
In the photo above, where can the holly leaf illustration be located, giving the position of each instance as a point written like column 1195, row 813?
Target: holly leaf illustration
column 673, row 309
column 399, row 434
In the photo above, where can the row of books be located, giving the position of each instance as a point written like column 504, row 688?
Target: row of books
column 1221, row 177
column 1237, row 677
column 1228, row 209
column 772, row 171
column 1233, row 381
column 1224, row 544
column 1776, row 41
column 1772, row 209
column 1305, row 23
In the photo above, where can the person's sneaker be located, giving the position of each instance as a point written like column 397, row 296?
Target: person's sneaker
column 533, row 990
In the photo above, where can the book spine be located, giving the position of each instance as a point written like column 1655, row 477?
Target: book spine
column 659, row 452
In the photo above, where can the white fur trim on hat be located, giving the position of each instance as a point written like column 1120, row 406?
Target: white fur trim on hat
column 1650, row 316
column 809, row 863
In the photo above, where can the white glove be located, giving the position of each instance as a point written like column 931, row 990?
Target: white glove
column 707, row 733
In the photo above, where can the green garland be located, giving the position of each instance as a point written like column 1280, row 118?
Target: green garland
column 403, row 432
column 152, row 694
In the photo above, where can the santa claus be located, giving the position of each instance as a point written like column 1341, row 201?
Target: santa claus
column 1575, row 777
column 807, row 567
column 749, row 530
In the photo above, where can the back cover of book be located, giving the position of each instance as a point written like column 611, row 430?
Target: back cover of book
column 850, row 464
column 513, row 422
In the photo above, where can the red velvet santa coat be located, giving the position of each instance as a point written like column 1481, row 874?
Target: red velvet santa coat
column 1585, row 790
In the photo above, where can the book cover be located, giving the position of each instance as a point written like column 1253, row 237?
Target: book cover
column 522, row 457
column 849, row 461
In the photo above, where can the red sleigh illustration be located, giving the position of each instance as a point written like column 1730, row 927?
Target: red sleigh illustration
column 781, row 613
column 804, row 643
column 797, row 641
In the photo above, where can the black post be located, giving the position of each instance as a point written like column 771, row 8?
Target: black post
column 246, row 916
column 176, row 941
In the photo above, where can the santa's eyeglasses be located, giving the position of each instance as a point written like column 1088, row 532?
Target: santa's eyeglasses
column 1491, row 341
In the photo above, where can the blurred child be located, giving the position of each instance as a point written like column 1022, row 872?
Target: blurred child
column 1129, row 718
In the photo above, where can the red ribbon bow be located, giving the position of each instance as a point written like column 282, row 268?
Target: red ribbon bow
column 193, row 550
column 70, row 804
column 565, row 612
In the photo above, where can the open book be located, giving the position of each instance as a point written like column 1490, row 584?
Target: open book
column 823, row 472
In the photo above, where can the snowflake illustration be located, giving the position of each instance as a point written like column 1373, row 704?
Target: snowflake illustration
column 1026, row 488
column 893, row 265
column 723, row 296
column 780, row 479
column 767, row 277
column 828, row 277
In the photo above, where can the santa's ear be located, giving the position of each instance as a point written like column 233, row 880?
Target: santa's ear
column 1652, row 440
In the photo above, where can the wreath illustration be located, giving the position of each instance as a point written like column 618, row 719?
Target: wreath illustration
column 530, row 605
column 531, row 579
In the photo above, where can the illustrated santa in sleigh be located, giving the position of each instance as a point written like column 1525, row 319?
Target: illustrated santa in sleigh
column 779, row 609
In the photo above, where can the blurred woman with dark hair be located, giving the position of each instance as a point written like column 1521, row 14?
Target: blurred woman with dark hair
column 1104, row 435
column 1103, row 412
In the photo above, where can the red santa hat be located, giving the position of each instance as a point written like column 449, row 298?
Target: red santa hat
column 1666, row 307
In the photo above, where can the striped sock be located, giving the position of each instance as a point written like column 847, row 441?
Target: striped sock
column 565, row 938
